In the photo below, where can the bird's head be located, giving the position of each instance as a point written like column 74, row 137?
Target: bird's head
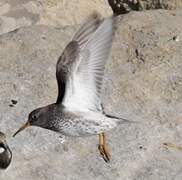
column 37, row 117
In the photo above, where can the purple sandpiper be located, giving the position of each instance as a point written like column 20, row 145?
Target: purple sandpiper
column 79, row 72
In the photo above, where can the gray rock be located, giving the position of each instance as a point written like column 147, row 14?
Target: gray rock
column 142, row 83
column 125, row 6
column 160, row 4
column 20, row 13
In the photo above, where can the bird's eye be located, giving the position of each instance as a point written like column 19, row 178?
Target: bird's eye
column 34, row 117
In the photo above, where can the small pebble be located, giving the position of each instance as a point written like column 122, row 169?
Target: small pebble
column 14, row 101
column 176, row 38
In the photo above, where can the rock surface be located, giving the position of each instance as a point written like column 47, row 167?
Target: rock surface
column 20, row 13
column 161, row 4
column 142, row 83
column 125, row 6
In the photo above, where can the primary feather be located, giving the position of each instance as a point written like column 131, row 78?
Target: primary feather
column 70, row 53
column 80, row 68
column 83, row 87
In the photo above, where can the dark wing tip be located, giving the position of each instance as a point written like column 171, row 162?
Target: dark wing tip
column 63, row 66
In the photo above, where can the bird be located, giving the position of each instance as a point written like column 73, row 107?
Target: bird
column 80, row 69
column 5, row 154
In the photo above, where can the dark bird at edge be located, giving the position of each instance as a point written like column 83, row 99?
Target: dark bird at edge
column 5, row 154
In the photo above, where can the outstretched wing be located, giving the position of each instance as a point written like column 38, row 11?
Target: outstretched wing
column 83, row 86
column 72, row 50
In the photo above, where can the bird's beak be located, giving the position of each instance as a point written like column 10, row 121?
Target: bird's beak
column 27, row 124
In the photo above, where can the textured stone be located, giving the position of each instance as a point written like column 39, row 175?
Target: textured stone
column 20, row 13
column 142, row 83
column 125, row 6
column 161, row 4
column 56, row 12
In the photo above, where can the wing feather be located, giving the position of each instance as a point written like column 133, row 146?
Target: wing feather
column 85, row 83
column 70, row 53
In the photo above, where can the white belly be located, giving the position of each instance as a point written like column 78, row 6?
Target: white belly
column 87, row 124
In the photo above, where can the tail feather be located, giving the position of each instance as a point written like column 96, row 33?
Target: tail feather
column 121, row 120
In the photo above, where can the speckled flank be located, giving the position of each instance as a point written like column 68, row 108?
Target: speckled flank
column 80, row 124
column 78, row 127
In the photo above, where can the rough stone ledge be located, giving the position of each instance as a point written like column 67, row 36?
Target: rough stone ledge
column 142, row 83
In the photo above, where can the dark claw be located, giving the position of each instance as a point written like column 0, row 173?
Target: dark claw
column 104, row 154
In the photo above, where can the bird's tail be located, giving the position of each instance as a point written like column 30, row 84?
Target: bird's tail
column 120, row 120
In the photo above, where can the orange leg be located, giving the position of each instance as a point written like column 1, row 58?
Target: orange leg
column 171, row 145
column 103, row 148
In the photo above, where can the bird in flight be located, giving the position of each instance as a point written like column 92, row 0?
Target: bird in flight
column 79, row 71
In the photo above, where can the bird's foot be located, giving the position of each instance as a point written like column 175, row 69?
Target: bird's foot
column 104, row 153
column 171, row 145
column 103, row 148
